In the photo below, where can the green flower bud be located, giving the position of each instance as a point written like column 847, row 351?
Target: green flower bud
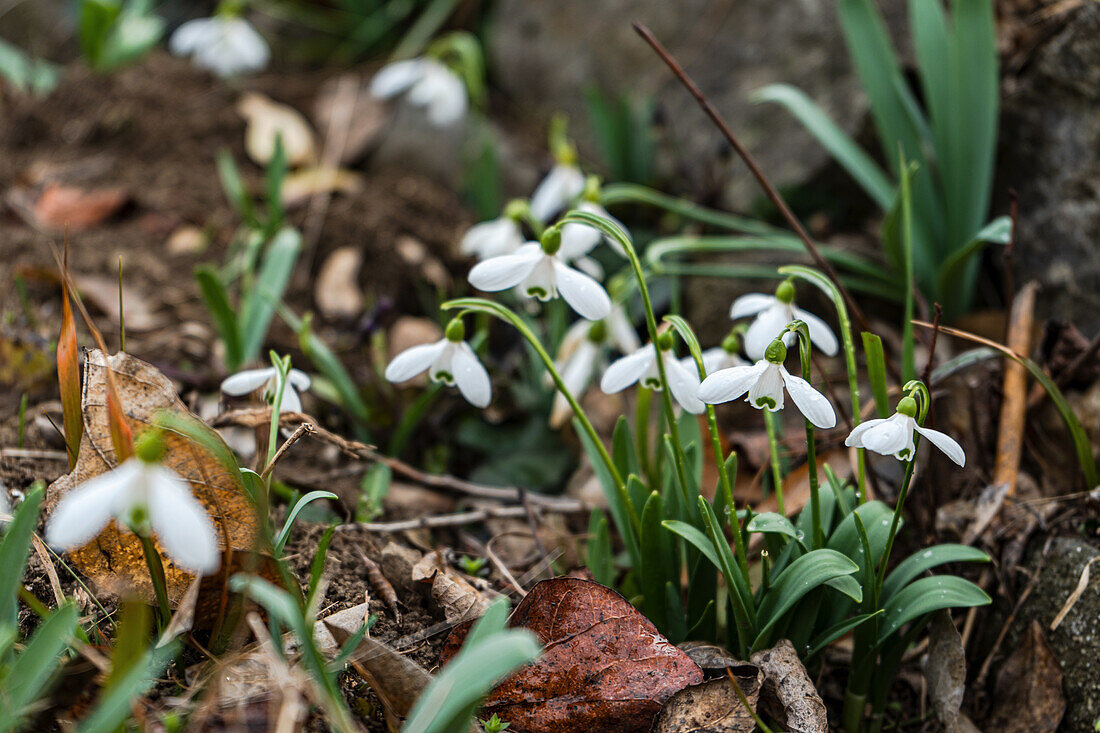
column 597, row 332
column 149, row 446
column 591, row 189
column 456, row 330
column 777, row 352
column 908, row 407
column 664, row 341
column 731, row 344
column 551, row 240
column 517, row 209
column 785, row 292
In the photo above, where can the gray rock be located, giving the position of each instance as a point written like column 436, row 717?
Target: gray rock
column 1076, row 641
column 544, row 55
column 1051, row 156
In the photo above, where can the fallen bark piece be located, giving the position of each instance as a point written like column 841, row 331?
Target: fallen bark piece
column 1028, row 695
column 604, row 666
column 787, row 694
column 713, row 706
column 945, row 669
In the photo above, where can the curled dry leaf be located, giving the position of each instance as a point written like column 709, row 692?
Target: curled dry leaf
column 711, row 658
column 62, row 207
column 713, row 706
column 114, row 560
column 450, row 591
column 267, row 120
column 337, row 290
column 945, row 669
column 1028, row 695
column 604, row 666
column 787, row 694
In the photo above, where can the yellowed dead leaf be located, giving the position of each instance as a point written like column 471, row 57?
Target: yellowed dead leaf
column 267, row 120
column 337, row 289
column 114, row 560
column 300, row 186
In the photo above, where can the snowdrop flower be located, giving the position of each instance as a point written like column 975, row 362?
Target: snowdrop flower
column 429, row 83
column 718, row 357
column 773, row 313
column 492, row 238
column 894, row 435
column 561, row 187
column 449, row 361
column 225, row 44
column 5, row 504
column 582, row 238
column 582, row 349
column 641, row 367
column 250, row 380
column 145, row 497
column 541, row 272
column 765, row 382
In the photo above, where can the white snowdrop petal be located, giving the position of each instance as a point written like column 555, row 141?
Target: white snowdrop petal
column 729, row 384
column 395, row 78
column 577, row 240
column 492, row 238
column 855, row 438
column 291, row 401
column 768, row 388
column 449, row 105
column 299, row 379
column 767, row 326
column 586, row 296
column 593, row 208
column 578, row 371
column 821, row 335
column 85, row 510
column 415, row 360
column 751, row 304
column 250, row 48
column 683, row 384
column 887, row 438
column 621, row 331
column 181, row 523
column 470, row 376
column 590, row 267
column 945, row 443
column 247, row 381
column 562, row 184
column 501, row 273
column 811, row 403
column 626, row 371
column 189, row 36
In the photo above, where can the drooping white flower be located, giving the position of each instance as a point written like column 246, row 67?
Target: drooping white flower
column 773, row 314
column 541, row 272
column 715, row 359
column 557, row 192
column 226, row 45
column 145, row 497
column 765, row 382
column 5, row 504
column 250, row 380
column 492, row 238
column 429, row 83
column 583, row 349
column 579, row 239
column 449, row 361
column 641, row 367
column 893, row 436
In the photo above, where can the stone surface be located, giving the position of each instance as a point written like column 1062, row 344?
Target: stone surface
column 1076, row 641
column 545, row 54
column 1051, row 155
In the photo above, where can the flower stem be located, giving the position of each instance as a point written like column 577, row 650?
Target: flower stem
column 481, row 305
column 770, row 422
column 282, row 366
column 156, row 575
column 811, row 448
column 641, row 432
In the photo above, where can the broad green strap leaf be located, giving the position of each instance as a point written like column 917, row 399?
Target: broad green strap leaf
column 953, row 270
column 696, row 537
column 620, row 513
column 912, row 566
column 802, row 576
column 225, row 319
column 651, row 573
column 775, row 523
column 926, row 595
column 876, row 372
column 847, row 585
column 14, row 550
column 42, row 655
column 597, row 550
column 271, row 282
column 843, row 148
column 876, row 518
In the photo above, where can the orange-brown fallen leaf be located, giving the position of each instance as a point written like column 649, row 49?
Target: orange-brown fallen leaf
column 61, row 207
column 604, row 666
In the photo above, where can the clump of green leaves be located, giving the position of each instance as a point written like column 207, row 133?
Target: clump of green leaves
column 113, row 33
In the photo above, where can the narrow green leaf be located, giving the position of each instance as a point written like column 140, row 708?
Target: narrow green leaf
column 876, row 372
column 827, row 637
column 14, row 550
column 33, row 668
column 803, row 575
column 260, row 304
column 598, row 550
column 234, row 188
column 774, row 523
column 925, row 595
column 284, row 533
column 216, row 299
column 651, row 573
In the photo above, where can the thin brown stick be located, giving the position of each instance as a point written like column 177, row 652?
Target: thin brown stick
column 381, row 584
column 773, row 195
column 926, row 376
column 439, row 520
column 1010, row 248
column 303, row 429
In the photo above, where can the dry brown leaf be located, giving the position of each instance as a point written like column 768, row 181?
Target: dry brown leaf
column 452, row 593
column 337, row 288
column 103, row 292
column 713, row 706
column 300, row 186
column 711, row 658
column 369, row 116
column 61, row 207
column 187, row 240
column 114, row 560
column 1028, row 694
column 1074, row 596
column 604, row 666
column 267, row 120
column 945, row 669
column 788, row 695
